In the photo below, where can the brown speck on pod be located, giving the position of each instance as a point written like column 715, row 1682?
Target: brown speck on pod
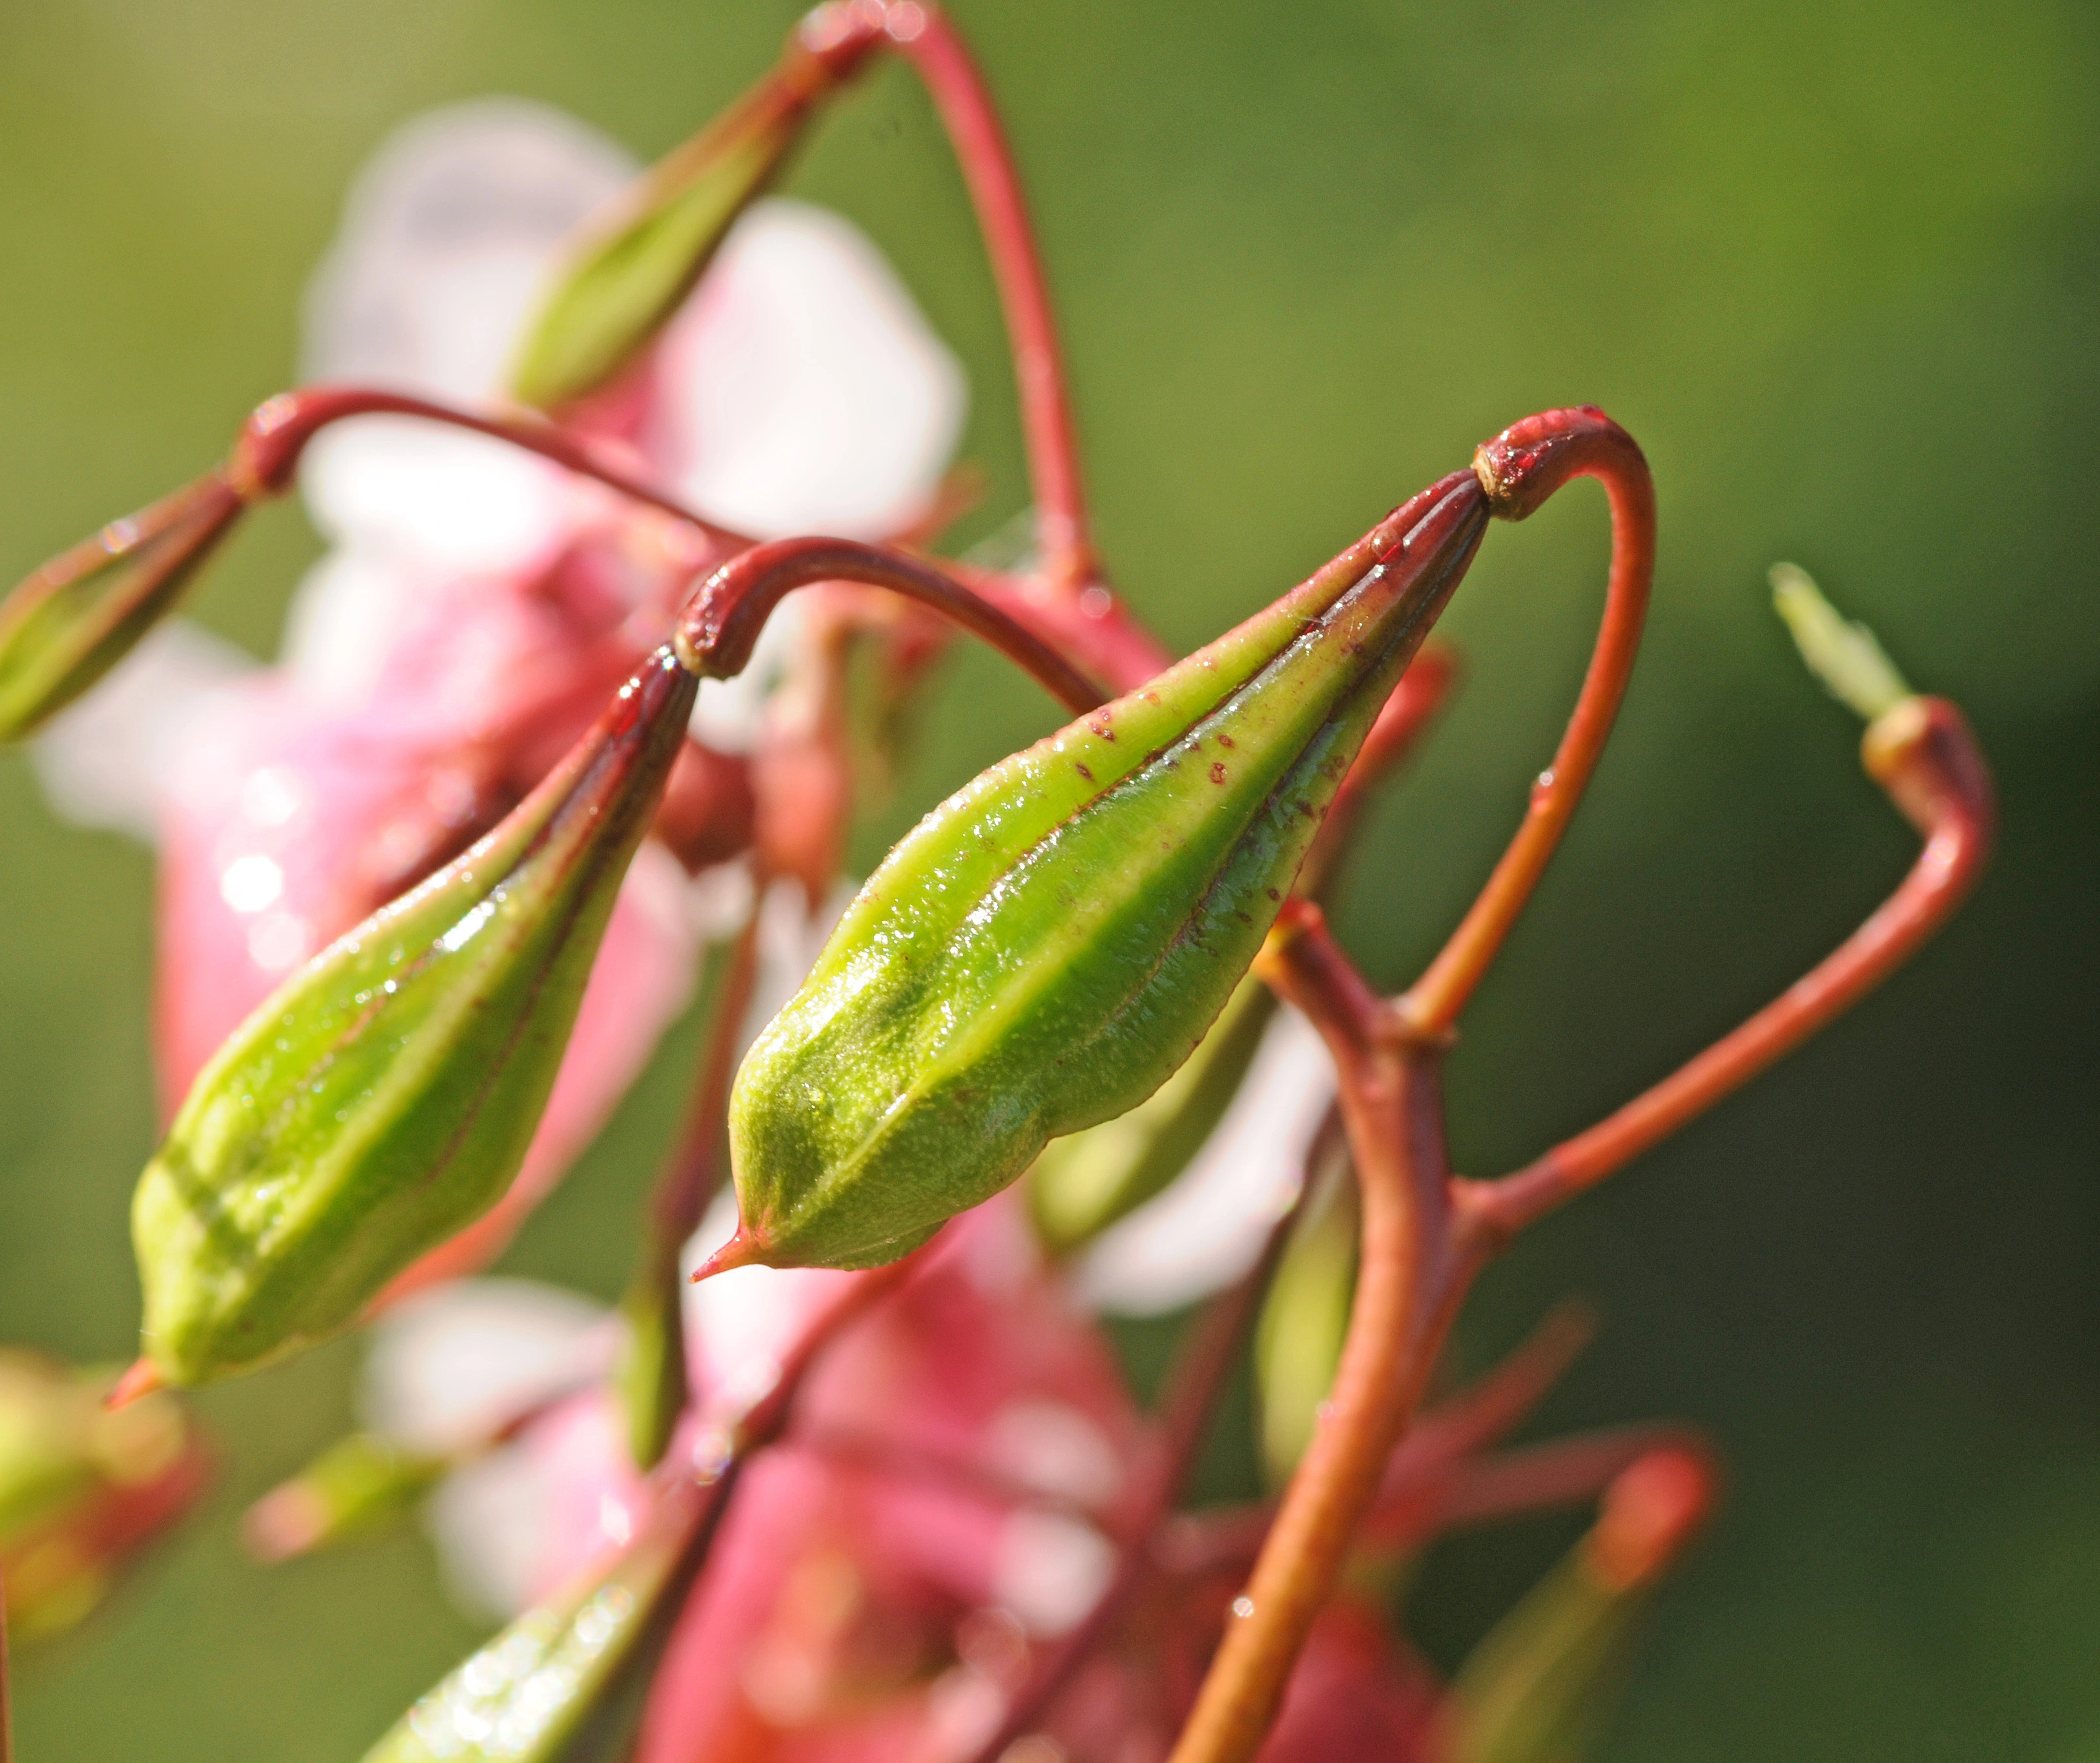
column 1218, row 771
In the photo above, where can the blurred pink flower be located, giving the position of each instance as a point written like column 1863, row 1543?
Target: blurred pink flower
column 477, row 606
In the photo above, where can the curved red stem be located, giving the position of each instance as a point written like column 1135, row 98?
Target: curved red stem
column 1922, row 752
column 1519, row 468
column 274, row 436
column 720, row 624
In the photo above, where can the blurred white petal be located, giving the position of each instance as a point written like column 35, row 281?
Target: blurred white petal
column 1207, row 1229
column 413, row 491
column 1050, row 1570
column 344, row 618
column 487, row 1520
column 451, row 1365
column 109, row 760
column 802, row 391
column 739, row 1324
column 1055, row 1449
column 447, row 240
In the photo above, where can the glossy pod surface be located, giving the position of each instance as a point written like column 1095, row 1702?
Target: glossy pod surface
column 384, row 1096
column 1047, row 946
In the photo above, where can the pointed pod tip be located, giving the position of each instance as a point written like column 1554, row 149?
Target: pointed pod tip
column 143, row 1378
column 741, row 1250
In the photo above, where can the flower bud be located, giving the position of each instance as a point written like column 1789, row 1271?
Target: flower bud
column 523, row 1696
column 80, row 1485
column 1050, row 945
column 1531, row 1690
column 384, row 1097
column 358, row 1484
column 633, row 274
column 81, row 614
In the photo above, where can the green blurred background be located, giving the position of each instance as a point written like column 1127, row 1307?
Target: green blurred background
column 1834, row 263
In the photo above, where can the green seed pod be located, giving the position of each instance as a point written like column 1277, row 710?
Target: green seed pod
column 1045, row 949
column 1089, row 1181
column 82, row 612
column 634, row 274
column 384, row 1097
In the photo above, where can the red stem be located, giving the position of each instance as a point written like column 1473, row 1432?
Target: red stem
column 691, row 1179
column 274, row 436
column 1410, row 1275
column 1424, row 1235
column 923, row 34
column 1519, row 468
column 720, row 624
column 1204, row 1361
column 1922, row 752
column 6, row 1720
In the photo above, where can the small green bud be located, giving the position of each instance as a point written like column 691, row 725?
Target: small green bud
column 81, row 614
column 1535, row 1688
column 360, row 1484
column 526, row 1695
column 651, row 1374
column 1840, row 652
column 384, row 1097
column 1048, row 947
column 632, row 275
column 1304, row 1321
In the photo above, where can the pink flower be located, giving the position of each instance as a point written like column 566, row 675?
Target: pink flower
column 478, row 606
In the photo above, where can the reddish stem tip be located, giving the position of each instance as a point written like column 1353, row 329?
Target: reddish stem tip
column 1529, row 460
column 1651, row 1510
column 144, row 1378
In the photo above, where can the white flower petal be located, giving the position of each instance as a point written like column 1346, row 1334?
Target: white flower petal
column 1209, row 1227
column 109, row 760
column 450, row 1365
column 802, row 391
column 1055, row 1449
column 739, row 1325
column 447, row 240
column 1050, row 1570
column 415, row 491
column 490, row 1521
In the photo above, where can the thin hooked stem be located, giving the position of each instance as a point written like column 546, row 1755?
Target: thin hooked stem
column 720, row 624
column 937, row 54
column 1519, row 468
column 1922, row 753
column 277, row 433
